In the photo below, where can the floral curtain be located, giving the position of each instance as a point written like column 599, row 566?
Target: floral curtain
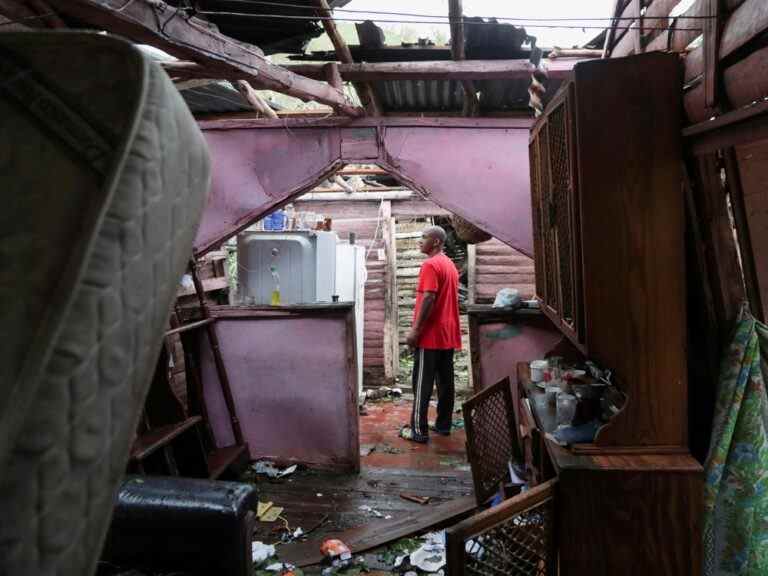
column 736, row 487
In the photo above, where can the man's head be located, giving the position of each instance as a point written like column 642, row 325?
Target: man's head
column 432, row 240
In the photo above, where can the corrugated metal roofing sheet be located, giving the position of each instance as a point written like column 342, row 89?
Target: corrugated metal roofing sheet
column 448, row 95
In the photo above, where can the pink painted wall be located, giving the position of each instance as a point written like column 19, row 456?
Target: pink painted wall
column 293, row 379
column 480, row 174
column 475, row 167
column 251, row 174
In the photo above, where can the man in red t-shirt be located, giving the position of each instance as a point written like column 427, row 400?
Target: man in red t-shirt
column 434, row 337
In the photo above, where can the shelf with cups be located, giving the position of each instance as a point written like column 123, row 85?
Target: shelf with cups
column 599, row 487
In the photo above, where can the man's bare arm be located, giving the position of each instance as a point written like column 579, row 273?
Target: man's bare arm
column 427, row 304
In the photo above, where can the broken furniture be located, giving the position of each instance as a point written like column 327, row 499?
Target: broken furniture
column 104, row 174
column 517, row 536
column 492, row 441
column 198, row 527
column 292, row 373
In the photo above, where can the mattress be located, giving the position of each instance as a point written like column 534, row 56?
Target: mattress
column 104, row 176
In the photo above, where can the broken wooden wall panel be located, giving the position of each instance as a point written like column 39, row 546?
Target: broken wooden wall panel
column 720, row 247
column 747, row 176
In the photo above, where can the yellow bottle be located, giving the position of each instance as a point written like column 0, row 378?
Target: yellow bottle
column 275, row 300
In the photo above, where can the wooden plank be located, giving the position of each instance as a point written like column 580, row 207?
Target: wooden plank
column 508, row 69
column 687, row 28
column 747, row 80
column 253, row 98
column 377, row 534
column 711, row 59
column 155, row 22
column 747, row 22
column 747, row 178
column 609, row 39
column 456, row 20
column 364, row 91
column 149, row 442
column 471, row 271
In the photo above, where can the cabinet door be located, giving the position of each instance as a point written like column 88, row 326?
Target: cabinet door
column 564, row 216
column 515, row 537
column 545, row 254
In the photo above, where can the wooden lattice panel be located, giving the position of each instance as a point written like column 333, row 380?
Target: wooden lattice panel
column 538, row 243
column 515, row 538
column 491, row 437
column 561, row 197
column 548, row 222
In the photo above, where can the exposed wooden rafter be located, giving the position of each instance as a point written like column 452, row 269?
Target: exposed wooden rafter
column 456, row 18
column 431, row 70
column 365, row 91
column 253, row 98
column 166, row 27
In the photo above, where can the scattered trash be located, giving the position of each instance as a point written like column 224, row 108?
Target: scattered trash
column 319, row 494
column 280, row 567
column 506, row 297
column 269, row 469
column 260, row 552
column 336, row 553
column 366, row 449
column 414, row 498
column 272, row 514
column 383, row 392
column 386, row 448
column 262, row 508
column 371, row 511
column 430, row 556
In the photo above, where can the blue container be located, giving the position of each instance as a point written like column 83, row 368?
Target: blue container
column 275, row 221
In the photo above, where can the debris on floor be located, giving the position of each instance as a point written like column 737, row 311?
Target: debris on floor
column 373, row 512
column 260, row 552
column 269, row 469
column 414, row 498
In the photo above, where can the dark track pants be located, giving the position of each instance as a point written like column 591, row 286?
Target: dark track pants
column 428, row 365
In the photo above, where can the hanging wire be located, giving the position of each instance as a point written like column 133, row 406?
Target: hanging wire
column 470, row 23
column 447, row 17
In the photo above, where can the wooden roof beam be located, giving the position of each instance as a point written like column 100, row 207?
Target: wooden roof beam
column 456, row 18
column 158, row 24
column 559, row 68
column 365, row 91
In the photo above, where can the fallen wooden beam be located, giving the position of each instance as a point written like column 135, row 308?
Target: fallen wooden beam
column 190, row 39
column 377, row 534
column 558, row 69
column 253, row 98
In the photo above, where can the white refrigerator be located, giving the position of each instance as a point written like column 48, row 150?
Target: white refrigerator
column 350, row 287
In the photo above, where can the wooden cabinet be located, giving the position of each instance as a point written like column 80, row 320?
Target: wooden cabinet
column 608, row 235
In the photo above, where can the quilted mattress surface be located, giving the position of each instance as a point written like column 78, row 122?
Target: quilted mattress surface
column 104, row 175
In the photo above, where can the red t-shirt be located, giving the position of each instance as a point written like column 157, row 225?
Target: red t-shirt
column 441, row 330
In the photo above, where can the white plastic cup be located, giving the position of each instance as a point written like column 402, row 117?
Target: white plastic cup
column 538, row 367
